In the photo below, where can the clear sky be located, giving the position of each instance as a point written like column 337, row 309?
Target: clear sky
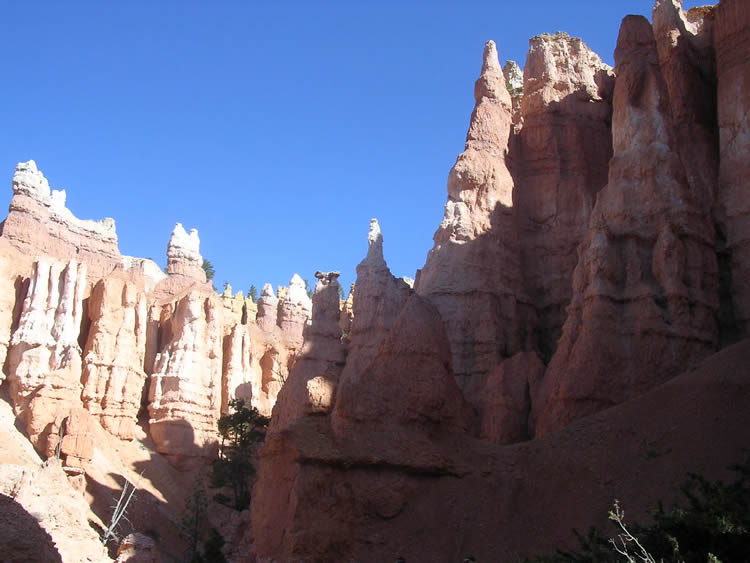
column 277, row 129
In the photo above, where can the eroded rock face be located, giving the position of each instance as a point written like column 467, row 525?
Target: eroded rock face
column 514, row 82
column 114, row 355
column 486, row 313
column 183, row 254
column 328, row 487
column 397, row 340
column 646, row 286
column 39, row 224
column 11, row 297
column 732, row 44
column 59, row 514
column 238, row 378
column 311, row 386
column 294, row 311
column 132, row 320
column 185, row 391
column 268, row 307
column 505, row 405
column 137, row 548
column 415, row 357
column 564, row 149
column 377, row 301
column 44, row 360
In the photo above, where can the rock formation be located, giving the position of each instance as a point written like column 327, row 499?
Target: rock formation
column 268, row 308
column 38, row 223
column 514, row 83
column 294, row 310
column 137, row 548
column 37, row 504
column 579, row 231
column 332, row 396
column 183, row 254
column 566, row 342
column 311, row 386
column 646, row 285
column 128, row 336
column 44, row 360
column 564, row 147
column 731, row 32
column 485, row 310
column 505, row 403
column 238, row 373
column 113, row 358
column 185, row 391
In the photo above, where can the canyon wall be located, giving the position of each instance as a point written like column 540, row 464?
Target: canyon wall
column 89, row 336
column 562, row 345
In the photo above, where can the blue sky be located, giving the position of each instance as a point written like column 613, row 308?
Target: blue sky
column 277, row 129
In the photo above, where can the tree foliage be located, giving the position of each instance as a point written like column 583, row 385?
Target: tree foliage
column 714, row 527
column 252, row 293
column 310, row 292
column 241, row 430
column 193, row 517
column 209, row 269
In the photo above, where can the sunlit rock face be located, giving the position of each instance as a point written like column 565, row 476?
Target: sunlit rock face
column 113, row 341
column 294, row 312
column 646, row 286
column 44, row 359
column 473, row 273
column 114, row 354
column 39, row 224
column 183, row 254
column 185, row 390
column 268, row 309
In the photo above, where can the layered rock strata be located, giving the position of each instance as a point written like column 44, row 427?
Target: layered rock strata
column 339, row 392
column 579, row 230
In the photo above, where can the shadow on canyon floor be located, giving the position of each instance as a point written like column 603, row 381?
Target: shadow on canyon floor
column 22, row 538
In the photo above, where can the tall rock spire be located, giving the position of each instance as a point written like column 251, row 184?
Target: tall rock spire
column 472, row 274
column 183, row 254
